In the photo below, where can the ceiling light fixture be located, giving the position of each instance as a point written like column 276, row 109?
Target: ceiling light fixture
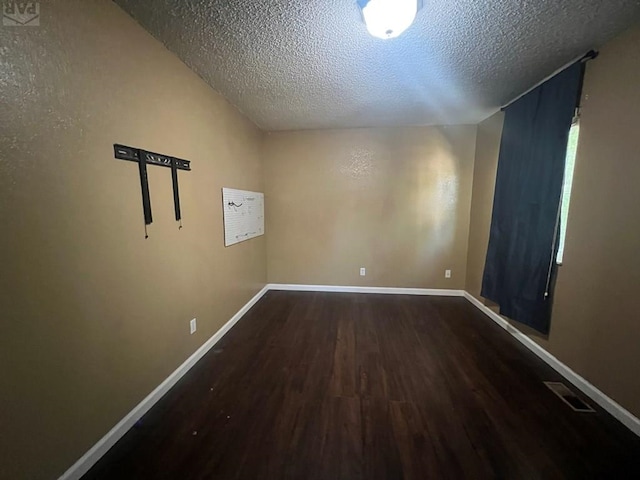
column 388, row 18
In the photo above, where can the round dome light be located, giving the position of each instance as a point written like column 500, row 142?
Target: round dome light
column 388, row 18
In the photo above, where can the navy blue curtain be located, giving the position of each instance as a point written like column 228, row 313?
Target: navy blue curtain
column 520, row 269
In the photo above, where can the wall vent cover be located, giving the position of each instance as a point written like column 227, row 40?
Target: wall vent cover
column 568, row 397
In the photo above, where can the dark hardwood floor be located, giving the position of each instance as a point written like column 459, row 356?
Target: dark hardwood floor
column 349, row 386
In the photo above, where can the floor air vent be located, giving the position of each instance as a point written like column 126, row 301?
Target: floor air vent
column 568, row 397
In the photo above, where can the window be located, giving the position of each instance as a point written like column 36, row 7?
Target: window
column 569, row 166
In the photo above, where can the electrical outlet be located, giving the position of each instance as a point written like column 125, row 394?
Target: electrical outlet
column 363, row 271
column 447, row 274
column 192, row 326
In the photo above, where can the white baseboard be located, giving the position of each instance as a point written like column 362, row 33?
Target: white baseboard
column 610, row 405
column 352, row 289
column 96, row 452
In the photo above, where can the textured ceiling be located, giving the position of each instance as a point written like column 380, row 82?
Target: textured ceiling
column 300, row 64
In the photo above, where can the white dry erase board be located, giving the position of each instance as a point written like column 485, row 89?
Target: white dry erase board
column 243, row 215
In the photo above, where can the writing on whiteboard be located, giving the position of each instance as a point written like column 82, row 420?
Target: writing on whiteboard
column 243, row 215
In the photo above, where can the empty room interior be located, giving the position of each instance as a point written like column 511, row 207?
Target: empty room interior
column 320, row 239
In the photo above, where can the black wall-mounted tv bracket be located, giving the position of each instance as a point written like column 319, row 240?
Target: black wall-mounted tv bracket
column 144, row 158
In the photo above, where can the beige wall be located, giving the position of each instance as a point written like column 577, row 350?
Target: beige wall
column 395, row 201
column 484, row 180
column 595, row 328
column 94, row 316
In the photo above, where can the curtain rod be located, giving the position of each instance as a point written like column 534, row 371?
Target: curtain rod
column 590, row 55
